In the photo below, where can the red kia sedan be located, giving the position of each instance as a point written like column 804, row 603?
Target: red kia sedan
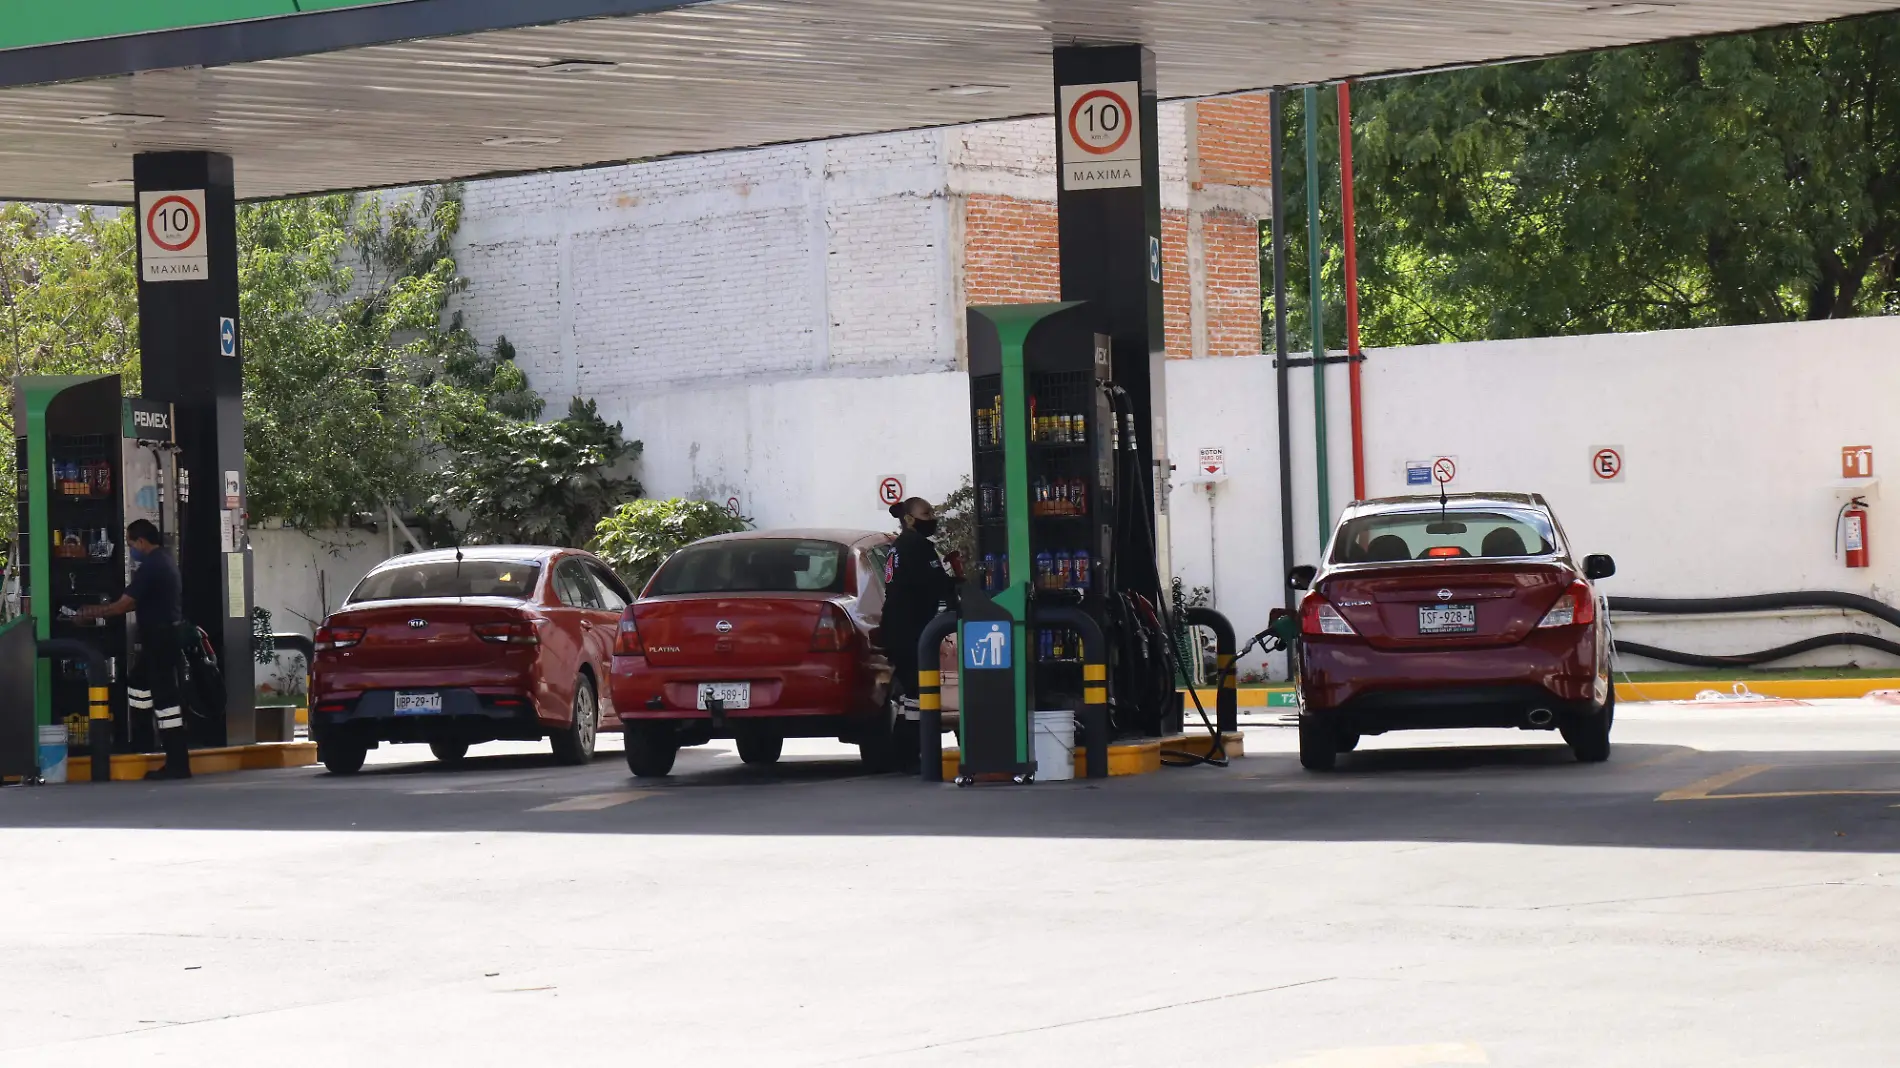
column 759, row 637
column 1464, row 611
column 455, row 647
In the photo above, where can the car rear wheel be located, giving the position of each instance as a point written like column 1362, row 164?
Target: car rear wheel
column 448, row 750
column 343, row 757
column 651, row 750
column 1589, row 736
column 760, row 748
column 1319, row 744
column 575, row 745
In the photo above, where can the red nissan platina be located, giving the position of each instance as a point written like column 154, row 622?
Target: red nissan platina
column 760, row 637
column 1464, row 611
column 457, row 647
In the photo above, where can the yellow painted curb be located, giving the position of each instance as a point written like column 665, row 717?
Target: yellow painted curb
column 130, row 767
column 1795, row 689
column 1131, row 758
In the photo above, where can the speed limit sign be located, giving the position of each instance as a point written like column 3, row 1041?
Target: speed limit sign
column 1101, row 135
column 172, row 244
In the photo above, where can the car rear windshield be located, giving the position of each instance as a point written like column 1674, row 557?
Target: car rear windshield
column 1458, row 533
column 765, row 565
column 447, row 578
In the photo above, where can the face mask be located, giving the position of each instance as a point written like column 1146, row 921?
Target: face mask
column 138, row 554
column 926, row 527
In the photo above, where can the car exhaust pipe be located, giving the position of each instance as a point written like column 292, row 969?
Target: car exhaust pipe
column 1541, row 718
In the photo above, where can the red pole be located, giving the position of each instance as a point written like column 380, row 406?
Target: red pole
column 1352, row 291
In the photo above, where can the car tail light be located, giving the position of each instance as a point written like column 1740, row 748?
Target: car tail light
column 337, row 637
column 1317, row 616
column 513, row 632
column 1443, row 552
column 627, row 641
column 833, row 632
column 1574, row 609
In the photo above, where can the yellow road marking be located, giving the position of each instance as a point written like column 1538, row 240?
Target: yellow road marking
column 1704, row 789
column 594, row 802
column 1392, row 1056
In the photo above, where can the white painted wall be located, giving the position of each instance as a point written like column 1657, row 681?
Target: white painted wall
column 1732, row 440
column 300, row 578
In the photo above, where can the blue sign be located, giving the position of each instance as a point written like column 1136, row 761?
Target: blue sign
column 1418, row 474
column 986, row 646
column 1154, row 260
column 227, row 337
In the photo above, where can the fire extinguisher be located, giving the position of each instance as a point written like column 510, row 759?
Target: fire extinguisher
column 1852, row 532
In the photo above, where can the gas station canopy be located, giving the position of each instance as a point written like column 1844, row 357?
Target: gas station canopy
column 353, row 94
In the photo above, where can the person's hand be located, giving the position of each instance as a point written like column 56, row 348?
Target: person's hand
column 954, row 561
column 90, row 612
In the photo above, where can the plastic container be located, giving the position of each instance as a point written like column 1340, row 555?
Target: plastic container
column 1054, row 733
column 53, row 753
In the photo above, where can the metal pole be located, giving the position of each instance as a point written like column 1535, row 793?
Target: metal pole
column 1276, row 134
column 1316, row 313
column 1352, row 291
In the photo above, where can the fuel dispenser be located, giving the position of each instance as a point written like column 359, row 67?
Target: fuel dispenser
column 1063, row 608
column 88, row 461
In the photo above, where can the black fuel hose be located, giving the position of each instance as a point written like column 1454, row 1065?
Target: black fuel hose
column 1766, row 656
column 1759, row 602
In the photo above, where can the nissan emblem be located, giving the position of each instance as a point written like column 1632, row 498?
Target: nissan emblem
column 1444, row 595
column 724, row 626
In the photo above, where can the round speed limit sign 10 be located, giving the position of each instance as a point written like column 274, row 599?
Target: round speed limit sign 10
column 1101, row 135
column 172, row 246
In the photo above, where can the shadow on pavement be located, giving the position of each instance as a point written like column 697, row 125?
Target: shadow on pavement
column 1516, row 794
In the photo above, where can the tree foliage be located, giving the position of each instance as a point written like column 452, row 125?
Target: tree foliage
column 538, row 483
column 638, row 537
column 1731, row 180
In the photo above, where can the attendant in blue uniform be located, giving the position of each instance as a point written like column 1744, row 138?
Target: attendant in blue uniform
column 157, row 679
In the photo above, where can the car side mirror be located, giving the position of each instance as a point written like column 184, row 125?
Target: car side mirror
column 1301, row 577
column 1598, row 567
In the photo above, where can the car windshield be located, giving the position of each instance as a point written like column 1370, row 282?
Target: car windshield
column 448, row 578
column 1453, row 534
column 765, row 565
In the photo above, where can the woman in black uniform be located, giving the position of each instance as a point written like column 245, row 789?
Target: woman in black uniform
column 917, row 586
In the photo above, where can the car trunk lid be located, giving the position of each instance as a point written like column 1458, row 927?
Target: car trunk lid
column 427, row 634
column 729, row 630
column 1471, row 604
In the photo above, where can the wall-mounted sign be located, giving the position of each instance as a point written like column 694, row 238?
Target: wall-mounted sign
column 1606, row 463
column 172, row 245
column 1857, row 461
column 1101, row 135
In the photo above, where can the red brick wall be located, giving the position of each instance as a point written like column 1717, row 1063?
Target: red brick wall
column 1231, row 136
column 1009, row 251
column 1232, row 248
column 1010, row 257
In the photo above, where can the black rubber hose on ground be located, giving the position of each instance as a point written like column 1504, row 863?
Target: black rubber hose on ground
column 1760, row 602
column 1766, row 656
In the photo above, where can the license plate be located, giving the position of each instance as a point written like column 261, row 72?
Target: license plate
column 731, row 694
column 418, row 704
column 1448, row 619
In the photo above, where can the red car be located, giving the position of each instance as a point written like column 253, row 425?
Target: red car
column 456, row 647
column 1466, row 611
column 759, row 637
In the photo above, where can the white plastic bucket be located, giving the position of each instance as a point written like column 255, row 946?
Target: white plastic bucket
column 53, row 753
column 1054, row 732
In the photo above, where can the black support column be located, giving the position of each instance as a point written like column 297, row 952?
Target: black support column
column 1108, row 206
column 190, row 357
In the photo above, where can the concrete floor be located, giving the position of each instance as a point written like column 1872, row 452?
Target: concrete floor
column 1492, row 904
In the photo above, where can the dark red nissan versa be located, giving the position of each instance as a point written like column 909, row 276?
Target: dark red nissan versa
column 1465, row 611
column 760, row 637
column 454, row 647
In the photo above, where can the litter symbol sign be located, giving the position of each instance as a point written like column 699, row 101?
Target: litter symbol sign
column 986, row 646
column 172, row 236
column 227, row 337
column 1444, row 469
column 1101, row 135
column 1606, row 463
column 890, row 489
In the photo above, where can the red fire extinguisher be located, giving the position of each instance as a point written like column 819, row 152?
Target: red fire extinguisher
column 1853, row 532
